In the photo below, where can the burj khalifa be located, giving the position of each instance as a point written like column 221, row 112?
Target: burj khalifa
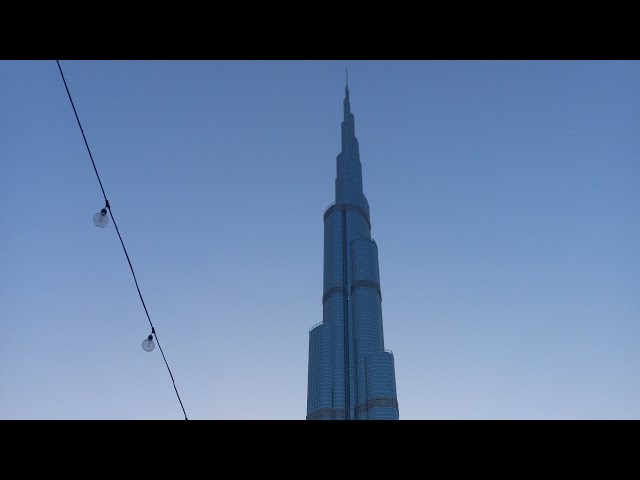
column 351, row 375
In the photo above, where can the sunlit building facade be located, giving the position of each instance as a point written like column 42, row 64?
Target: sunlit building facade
column 351, row 375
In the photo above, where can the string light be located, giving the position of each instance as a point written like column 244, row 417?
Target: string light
column 147, row 344
column 101, row 220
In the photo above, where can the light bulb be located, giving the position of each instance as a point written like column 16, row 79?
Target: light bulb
column 148, row 344
column 101, row 219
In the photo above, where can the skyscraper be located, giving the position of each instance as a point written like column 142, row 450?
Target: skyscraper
column 351, row 375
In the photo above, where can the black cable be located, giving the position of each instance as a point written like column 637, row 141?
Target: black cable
column 108, row 206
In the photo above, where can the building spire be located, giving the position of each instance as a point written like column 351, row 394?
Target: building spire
column 347, row 105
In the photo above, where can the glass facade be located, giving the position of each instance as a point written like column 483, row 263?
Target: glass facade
column 351, row 375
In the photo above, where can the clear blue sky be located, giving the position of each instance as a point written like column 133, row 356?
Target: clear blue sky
column 505, row 200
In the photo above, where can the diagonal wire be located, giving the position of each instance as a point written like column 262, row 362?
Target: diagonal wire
column 108, row 206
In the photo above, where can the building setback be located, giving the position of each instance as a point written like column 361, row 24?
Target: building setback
column 351, row 375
